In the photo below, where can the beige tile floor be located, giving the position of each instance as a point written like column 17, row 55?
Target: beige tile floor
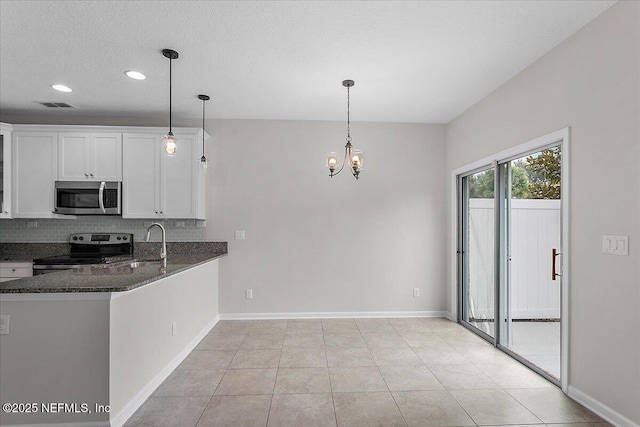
column 354, row 372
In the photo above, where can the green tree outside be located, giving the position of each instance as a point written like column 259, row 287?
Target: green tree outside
column 534, row 177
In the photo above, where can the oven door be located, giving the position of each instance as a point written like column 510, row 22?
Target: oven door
column 88, row 198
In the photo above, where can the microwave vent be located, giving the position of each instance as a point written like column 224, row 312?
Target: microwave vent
column 57, row 105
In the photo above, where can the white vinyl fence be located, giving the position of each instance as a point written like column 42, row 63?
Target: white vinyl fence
column 535, row 230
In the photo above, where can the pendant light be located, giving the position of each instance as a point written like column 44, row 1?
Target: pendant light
column 355, row 156
column 169, row 142
column 203, row 159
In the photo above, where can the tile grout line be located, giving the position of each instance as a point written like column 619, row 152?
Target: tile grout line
column 275, row 381
column 219, row 382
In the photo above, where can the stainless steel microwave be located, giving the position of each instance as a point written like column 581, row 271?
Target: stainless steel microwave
column 88, row 198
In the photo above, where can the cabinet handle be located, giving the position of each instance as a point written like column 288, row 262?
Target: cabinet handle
column 161, row 212
column 86, row 175
column 156, row 211
column 91, row 175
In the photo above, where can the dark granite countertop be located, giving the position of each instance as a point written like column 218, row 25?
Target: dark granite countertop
column 118, row 276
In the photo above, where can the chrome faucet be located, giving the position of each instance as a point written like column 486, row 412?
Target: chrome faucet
column 163, row 250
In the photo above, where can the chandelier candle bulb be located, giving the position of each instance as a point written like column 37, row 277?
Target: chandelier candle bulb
column 332, row 161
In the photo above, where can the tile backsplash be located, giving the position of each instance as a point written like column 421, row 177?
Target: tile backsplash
column 58, row 230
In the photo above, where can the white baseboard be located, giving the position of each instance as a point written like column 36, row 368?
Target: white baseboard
column 78, row 424
column 331, row 315
column 450, row 316
column 135, row 403
column 600, row 408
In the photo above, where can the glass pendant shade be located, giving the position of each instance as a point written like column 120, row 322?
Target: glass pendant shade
column 357, row 159
column 203, row 164
column 332, row 161
column 170, row 146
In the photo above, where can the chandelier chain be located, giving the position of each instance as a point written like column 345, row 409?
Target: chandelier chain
column 348, row 114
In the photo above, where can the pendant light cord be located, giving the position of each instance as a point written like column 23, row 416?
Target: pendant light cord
column 170, row 98
column 203, row 102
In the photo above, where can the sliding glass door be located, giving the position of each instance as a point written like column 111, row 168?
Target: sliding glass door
column 478, row 232
column 531, row 288
column 509, row 244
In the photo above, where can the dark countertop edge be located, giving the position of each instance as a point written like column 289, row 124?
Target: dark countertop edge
column 106, row 289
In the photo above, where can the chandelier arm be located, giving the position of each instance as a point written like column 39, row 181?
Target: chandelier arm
column 344, row 161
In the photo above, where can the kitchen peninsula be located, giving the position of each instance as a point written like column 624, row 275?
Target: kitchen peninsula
column 111, row 334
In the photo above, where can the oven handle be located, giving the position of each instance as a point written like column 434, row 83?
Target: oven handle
column 101, row 196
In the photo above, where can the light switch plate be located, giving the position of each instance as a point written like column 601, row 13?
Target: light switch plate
column 615, row 245
column 4, row 324
column 239, row 234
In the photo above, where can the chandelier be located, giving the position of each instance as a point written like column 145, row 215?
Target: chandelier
column 355, row 156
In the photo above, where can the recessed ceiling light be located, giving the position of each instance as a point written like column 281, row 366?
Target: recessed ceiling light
column 61, row 88
column 135, row 75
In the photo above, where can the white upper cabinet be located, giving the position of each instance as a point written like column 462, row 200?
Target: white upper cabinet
column 90, row 156
column 141, row 174
column 5, row 170
column 35, row 169
column 156, row 185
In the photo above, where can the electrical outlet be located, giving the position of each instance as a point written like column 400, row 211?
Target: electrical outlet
column 239, row 234
column 179, row 224
column 416, row 292
column 248, row 293
column 32, row 224
column 4, row 324
column 174, row 328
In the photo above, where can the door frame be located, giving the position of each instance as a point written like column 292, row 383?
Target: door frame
column 560, row 137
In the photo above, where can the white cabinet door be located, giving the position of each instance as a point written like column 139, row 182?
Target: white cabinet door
column 141, row 175
column 35, row 168
column 179, row 180
column 5, row 172
column 73, row 161
column 90, row 156
column 105, row 157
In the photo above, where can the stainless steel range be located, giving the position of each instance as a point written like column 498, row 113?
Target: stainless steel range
column 86, row 249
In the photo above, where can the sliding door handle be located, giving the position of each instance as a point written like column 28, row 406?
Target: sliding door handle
column 554, row 254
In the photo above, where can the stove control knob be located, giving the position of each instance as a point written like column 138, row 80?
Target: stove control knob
column 75, row 237
column 81, row 237
column 119, row 238
column 125, row 238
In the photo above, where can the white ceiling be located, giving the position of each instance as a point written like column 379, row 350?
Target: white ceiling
column 412, row 61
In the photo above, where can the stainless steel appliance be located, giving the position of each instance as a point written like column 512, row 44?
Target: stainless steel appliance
column 86, row 249
column 88, row 198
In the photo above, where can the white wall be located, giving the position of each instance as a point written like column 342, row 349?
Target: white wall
column 56, row 351
column 144, row 347
column 315, row 244
column 590, row 82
